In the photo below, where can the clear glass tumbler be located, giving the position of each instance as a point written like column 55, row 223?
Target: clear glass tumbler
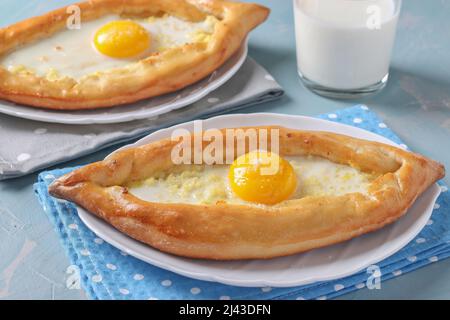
column 344, row 46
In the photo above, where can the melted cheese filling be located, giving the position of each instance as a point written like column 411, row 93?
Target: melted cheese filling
column 71, row 53
column 209, row 184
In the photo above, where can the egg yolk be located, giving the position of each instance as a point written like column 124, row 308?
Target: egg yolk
column 122, row 39
column 262, row 177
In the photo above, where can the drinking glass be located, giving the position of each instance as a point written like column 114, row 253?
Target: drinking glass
column 344, row 46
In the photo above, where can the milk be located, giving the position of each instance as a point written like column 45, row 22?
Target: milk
column 345, row 44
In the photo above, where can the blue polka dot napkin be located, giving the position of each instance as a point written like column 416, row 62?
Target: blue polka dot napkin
column 107, row 273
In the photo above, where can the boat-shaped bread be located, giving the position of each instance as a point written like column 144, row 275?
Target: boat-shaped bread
column 103, row 53
column 345, row 187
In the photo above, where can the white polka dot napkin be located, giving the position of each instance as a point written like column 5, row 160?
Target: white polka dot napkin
column 108, row 273
column 30, row 145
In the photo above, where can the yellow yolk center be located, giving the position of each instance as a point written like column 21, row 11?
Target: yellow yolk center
column 262, row 177
column 122, row 39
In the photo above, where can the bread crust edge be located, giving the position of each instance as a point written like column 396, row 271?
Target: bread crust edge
column 230, row 232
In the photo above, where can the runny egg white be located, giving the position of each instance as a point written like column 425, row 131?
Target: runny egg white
column 201, row 184
column 76, row 53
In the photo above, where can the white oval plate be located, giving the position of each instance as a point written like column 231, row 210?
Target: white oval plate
column 140, row 110
column 323, row 264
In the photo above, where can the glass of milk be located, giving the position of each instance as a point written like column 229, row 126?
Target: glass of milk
column 344, row 46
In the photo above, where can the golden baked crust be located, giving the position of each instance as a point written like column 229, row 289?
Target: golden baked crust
column 231, row 231
column 155, row 75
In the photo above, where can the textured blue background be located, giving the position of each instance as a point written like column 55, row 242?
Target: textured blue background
column 415, row 104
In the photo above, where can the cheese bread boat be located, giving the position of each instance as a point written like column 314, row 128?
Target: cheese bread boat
column 345, row 187
column 103, row 53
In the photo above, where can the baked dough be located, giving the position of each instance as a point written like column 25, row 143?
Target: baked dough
column 233, row 231
column 155, row 75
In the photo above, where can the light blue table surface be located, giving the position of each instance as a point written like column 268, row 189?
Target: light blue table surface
column 415, row 104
